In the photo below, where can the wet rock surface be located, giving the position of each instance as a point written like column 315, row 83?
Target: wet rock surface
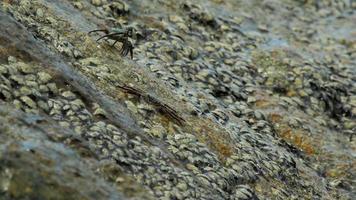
column 223, row 99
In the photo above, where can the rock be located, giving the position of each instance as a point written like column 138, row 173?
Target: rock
column 215, row 104
column 52, row 87
column 44, row 77
column 25, row 91
column 158, row 131
column 97, row 2
column 39, row 13
column 31, row 164
column 28, row 101
column 68, row 95
column 28, row 69
column 175, row 18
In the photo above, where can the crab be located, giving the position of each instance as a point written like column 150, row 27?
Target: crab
column 121, row 35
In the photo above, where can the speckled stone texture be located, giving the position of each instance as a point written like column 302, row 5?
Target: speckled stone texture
column 223, row 99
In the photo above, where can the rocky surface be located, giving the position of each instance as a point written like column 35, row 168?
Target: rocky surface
column 223, row 99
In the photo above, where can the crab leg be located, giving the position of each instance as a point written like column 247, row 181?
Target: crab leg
column 98, row 30
column 124, row 51
column 114, row 43
column 108, row 35
column 131, row 53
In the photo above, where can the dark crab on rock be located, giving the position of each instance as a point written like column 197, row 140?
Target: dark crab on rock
column 121, row 35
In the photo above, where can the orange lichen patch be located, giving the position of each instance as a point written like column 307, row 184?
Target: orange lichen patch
column 206, row 131
column 341, row 170
column 3, row 53
column 262, row 103
column 267, row 186
column 263, row 100
column 298, row 138
column 166, row 122
column 216, row 138
column 335, row 172
column 291, row 93
column 220, row 145
column 275, row 117
column 7, row 1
